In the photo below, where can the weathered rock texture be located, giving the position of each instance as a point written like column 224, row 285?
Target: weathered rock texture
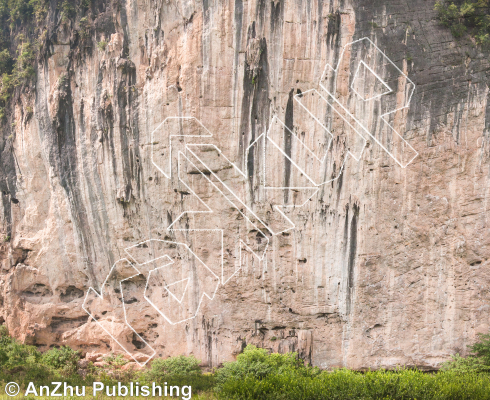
column 386, row 265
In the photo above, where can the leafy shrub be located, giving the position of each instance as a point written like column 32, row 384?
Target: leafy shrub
column 20, row 11
column 258, row 363
column 472, row 15
column 19, row 359
column 259, row 375
column 24, row 69
column 84, row 28
column 39, row 9
column 464, row 365
column 102, row 45
column 116, row 360
column 180, row 365
column 481, row 348
column 63, row 358
column 68, row 11
column 15, row 355
column 478, row 361
column 6, row 61
column 179, row 371
column 18, row 53
column 345, row 384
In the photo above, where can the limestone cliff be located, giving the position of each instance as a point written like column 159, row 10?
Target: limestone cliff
column 385, row 265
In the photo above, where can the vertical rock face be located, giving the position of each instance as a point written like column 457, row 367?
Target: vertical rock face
column 385, row 265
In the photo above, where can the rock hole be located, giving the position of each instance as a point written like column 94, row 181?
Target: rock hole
column 137, row 342
column 71, row 293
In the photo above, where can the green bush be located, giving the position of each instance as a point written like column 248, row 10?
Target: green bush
column 18, row 53
column 14, row 355
column 6, row 62
column 116, row 360
column 24, row 69
column 68, row 10
column 471, row 15
column 257, row 363
column 477, row 361
column 180, row 365
column 64, row 358
column 179, row 371
column 465, row 364
column 481, row 349
column 348, row 385
column 19, row 359
column 20, row 11
column 256, row 374
column 39, row 9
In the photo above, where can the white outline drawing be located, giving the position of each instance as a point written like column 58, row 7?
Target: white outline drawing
column 383, row 117
column 387, row 91
column 186, row 280
column 210, row 297
column 101, row 296
column 205, row 172
column 152, row 138
column 188, row 154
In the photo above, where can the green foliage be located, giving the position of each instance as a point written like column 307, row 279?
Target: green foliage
column 6, row 61
column 21, row 359
column 116, row 360
column 17, row 12
column 68, row 10
column 346, row 384
column 23, row 363
column 85, row 4
column 15, row 355
column 478, row 361
column 20, row 11
column 258, row 363
column 258, row 375
column 62, row 81
column 102, row 45
column 465, row 365
column 481, row 349
column 179, row 371
column 63, row 358
column 39, row 9
column 84, row 28
column 180, row 365
column 17, row 54
column 24, row 69
column 471, row 16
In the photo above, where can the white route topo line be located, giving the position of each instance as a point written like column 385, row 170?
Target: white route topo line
column 188, row 152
